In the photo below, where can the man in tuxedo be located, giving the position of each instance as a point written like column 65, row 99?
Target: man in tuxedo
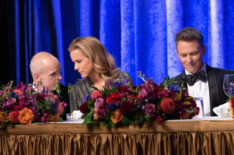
column 45, row 70
column 200, row 79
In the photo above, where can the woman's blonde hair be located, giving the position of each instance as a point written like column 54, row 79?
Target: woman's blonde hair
column 102, row 61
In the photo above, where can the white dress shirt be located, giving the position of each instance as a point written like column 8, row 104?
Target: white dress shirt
column 201, row 90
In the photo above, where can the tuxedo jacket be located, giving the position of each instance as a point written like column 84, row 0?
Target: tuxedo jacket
column 215, row 83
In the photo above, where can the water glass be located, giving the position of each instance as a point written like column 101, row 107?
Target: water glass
column 199, row 102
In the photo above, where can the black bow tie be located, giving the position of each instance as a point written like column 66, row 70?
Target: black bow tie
column 191, row 79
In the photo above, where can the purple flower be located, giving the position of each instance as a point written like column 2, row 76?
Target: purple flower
column 174, row 87
column 99, row 103
column 101, row 111
column 87, row 98
column 113, row 106
column 44, row 117
column 149, row 109
column 14, row 95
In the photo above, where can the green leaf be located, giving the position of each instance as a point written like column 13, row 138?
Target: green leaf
column 88, row 118
column 69, row 88
column 126, row 121
column 58, row 89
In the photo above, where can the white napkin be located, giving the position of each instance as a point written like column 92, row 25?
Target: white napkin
column 75, row 116
column 222, row 110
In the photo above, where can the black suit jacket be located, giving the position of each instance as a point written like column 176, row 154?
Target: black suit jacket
column 215, row 82
column 64, row 97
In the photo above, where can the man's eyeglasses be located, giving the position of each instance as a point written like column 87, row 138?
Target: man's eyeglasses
column 55, row 74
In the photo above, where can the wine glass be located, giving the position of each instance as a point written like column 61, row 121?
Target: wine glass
column 228, row 84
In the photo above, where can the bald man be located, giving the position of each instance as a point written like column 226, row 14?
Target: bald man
column 45, row 70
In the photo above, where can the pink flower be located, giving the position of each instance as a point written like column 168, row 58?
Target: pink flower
column 11, row 101
column 150, row 109
column 95, row 94
column 143, row 93
column 99, row 103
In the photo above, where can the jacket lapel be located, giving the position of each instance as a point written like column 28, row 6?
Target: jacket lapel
column 183, row 79
column 213, row 89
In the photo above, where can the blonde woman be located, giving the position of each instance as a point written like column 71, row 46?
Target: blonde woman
column 95, row 66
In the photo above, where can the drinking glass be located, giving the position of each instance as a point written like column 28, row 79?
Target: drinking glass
column 228, row 84
column 199, row 102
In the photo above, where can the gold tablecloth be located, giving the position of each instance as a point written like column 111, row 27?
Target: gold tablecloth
column 172, row 137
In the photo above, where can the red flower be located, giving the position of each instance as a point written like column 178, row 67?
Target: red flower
column 158, row 119
column 198, row 110
column 13, row 116
column 95, row 94
column 167, row 105
column 232, row 101
column 124, row 89
column 40, row 96
column 126, row 108
column 113, row 98
column 84, row 107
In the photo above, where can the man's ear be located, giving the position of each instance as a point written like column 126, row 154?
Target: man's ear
column 204, row 50
column 36, row 78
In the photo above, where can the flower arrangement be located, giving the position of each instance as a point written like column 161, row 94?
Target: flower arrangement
column 24, row 105
column 148, row 103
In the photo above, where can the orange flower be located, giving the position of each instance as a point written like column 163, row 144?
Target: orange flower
column 231, row 109
column 18, row 92
column 25, row 116
column 95, row 114
column 116, row 116
column 186, row 115
column 3, row 118
column 60, row 109
column 52, row 118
